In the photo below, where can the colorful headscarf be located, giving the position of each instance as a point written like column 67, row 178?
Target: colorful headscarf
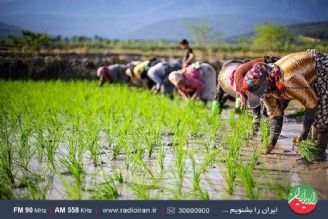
column 103, row 73
column 175, row 77
column 260, row 80
column 275, row 79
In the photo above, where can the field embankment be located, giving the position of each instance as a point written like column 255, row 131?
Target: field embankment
column 51, row 65
column 81, row 63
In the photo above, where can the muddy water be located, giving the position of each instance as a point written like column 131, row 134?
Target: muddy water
column 283, row 167
column 289, row 166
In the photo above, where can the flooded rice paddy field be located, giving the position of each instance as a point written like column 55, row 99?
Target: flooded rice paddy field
column 279, row 170
column 167, row 149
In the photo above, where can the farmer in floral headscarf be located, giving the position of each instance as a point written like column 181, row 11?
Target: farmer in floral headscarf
column 242, row 69
column 189, row 86
column 208, row 75
column 302, row 76
column 230, row 81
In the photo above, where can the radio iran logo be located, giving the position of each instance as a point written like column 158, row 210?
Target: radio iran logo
column 302, row 199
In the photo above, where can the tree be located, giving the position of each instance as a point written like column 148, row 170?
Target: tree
column 201, row 33
column 12, row 41
column 271, row 36
column 33, row 42
column 245, row 42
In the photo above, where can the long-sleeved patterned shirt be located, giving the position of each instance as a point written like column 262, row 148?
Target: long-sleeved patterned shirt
column 298, row 77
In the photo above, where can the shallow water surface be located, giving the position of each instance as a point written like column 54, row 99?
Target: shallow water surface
column 282, row 167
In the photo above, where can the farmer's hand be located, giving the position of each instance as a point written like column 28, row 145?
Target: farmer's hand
column 270, row 148
column 194, row 97
column 298, row 139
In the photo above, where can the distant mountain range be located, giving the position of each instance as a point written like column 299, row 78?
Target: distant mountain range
column 155, row 19
column 6, row 30
column 227, row 25
column 318, row 30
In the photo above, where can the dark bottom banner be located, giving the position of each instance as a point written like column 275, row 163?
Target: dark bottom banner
column 161, row 209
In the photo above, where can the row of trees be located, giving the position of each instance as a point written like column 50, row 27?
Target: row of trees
column 266, row 37
column 29, row 41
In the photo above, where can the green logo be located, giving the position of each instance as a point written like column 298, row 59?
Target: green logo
column 302, row 199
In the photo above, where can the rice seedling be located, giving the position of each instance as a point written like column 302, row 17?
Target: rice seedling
column 148, row 141
column 232, row 121
column 6, row 161
column 39, row 132
column 233, row 165
column 7, row 179
column 7, row 151
column 197, row 172
column 161, row 157
column 138, row 159
column 6, row 191
column 118, row 176
column 72, row 192
column 229, row 172
column 309, row 150
column 265, row 132
column 74, row 165
column 280, row 189
column 180, row 156
column 24, row 150
column 48, row 136
column 93, row 144
column 215, row 126
column 109, row 127
column 105, row 190
column 141, row 190
column 245, row 173
column 51, row 148
column 120, row 141
column 37, row 186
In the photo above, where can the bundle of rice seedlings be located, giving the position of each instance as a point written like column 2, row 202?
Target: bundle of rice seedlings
column 309, row 150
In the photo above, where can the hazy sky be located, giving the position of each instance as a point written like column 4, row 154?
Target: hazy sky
column 127, row 18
